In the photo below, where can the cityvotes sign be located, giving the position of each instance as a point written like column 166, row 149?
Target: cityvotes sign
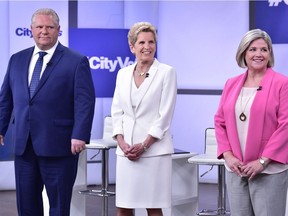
column 271, row 16
column 107, row 51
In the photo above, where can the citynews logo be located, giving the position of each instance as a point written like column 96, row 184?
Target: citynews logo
column 105, row 63
column 275, row 3
column 26, row 32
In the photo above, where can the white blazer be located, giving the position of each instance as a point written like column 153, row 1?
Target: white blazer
column 154, row 109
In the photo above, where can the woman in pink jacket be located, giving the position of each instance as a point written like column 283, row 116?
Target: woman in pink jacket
column 251, row 126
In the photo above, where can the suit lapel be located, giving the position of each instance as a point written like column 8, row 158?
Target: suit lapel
column 257, row 116
column 147, row 82
column 127, row 82
column 25, row 63
column 231, row 118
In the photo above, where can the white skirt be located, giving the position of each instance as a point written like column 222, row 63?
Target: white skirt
column 145, row 183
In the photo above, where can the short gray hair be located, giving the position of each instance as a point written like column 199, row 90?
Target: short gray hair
column 46, row 11
column 140, row 27
column 248, row 38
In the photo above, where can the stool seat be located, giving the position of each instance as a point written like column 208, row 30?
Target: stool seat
column 102, row 144
column 206, row 159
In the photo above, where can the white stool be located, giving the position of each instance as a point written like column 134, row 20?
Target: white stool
column 210, row 158
column 205, row 159
column 104, row 146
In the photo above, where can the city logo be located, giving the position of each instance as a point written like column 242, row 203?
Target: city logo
column 107, row 51
column 104, row 63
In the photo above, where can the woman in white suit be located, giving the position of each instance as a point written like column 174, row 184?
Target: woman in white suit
column 142, row 111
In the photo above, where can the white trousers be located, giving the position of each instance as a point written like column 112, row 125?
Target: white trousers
column 265, row 195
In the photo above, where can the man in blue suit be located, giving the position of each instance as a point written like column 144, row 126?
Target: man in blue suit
column 51, row 120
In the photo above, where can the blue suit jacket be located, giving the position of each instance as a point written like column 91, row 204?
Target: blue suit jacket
column 62, row 107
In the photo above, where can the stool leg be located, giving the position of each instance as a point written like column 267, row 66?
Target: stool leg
column 224, row 190
column 221, row 196
column 105, row 206
column 105, row 171
column 105, row 175
column 220, row 190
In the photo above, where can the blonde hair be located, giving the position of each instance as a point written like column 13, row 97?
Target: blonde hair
column 248, row 38
column 46, row 11
column 140, row 27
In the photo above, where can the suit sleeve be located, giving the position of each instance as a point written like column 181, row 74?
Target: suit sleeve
column 84, row 101
column 277, row 147
column 167, row 105
column 220, row 127
column 6, row 102
column 116, row 110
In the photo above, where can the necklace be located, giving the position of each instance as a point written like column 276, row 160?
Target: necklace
column 242, row 115
column 139, row 73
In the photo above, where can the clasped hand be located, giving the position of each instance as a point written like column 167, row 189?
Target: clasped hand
column 133, row 152
column 249, row 170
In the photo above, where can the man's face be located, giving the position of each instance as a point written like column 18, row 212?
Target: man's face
column 45, row 31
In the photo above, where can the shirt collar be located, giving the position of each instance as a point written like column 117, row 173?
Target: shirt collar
column 50, row 51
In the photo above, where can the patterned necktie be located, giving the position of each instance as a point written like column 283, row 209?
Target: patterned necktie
column 36, row 73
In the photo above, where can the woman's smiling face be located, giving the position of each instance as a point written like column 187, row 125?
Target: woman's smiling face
column 144, row 47
column 257, row 55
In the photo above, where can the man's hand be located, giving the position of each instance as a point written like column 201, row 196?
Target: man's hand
column 1, row 140
column 77, row 146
